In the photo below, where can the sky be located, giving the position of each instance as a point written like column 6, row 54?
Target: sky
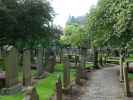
column 66, row 8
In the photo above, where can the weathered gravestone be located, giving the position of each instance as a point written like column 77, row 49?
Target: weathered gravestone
column 83, row 57
column 76, row 60
column 40, row 62
column 31, row 94
column 96, row 58
column 51, row 62
column 11, row 68
column 126, row 83
column 26, row 68
column 83, row 63
column 59, row 90
column 121, row 68
column 78, row 74
column 66, row 74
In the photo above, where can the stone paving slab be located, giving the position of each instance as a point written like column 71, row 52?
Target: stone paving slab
column 104, row 85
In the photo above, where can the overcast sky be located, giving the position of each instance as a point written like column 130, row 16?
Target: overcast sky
column 65, row 8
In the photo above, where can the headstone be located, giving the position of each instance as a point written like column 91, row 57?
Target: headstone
column 40, row 62
column 11, row 67
column 76, row 60
column 44, row 55
column 78, row 74
column 96, row 58
column 26, row 68
column 59, row 90
column 31, row 94
column 126, row 84
column 83, row 57
column 66, row 72
column 121, row 69
column 51, row 63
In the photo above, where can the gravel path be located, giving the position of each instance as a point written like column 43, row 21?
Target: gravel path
column 104, row 85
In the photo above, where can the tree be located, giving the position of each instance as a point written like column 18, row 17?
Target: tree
column 25, row 21
column 110, row 23
column 74, row 32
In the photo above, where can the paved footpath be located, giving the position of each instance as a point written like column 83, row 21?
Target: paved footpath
column 104, row 85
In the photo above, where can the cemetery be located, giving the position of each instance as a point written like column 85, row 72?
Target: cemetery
column 89, row 57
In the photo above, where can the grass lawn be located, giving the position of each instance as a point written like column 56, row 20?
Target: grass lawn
column 114, row 61
column 45, row 87
column 130, row 76
column 89, row 65
column 130, row 58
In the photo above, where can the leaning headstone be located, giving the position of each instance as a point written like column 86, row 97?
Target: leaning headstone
column 59, row 89
column 126, row 84
column 26, row 68
column 11, row 68
column 31, row 94
column 66, row 76
column 40, row 62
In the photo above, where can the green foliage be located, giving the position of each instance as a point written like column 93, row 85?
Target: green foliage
column 74, row 32
column 45, row 87
column 130, row 76
column 25, row 23
column 110, row 23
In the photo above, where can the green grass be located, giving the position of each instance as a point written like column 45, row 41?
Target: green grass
column 114, row 61
column 130, row 76
column 18, row 96
column 45, row 87
column 130, row 58
column 89, row 65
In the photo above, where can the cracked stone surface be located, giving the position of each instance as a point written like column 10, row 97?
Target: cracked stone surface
column 104, row 85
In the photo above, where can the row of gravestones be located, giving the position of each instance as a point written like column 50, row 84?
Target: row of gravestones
column 11, row 58
column 31, row 93
column 66, row 86
column 124, row 69
column 12, row 84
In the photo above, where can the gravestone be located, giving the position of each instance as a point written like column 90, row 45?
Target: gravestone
column 40, row 62
column 51, row 63
column 26, row 68
column 83, row 57
column 11, row 67
column 31, row 94
column 59, row 89
column 96, row 58
column 78, row 74
column 126, row 83
column 66, row 74
column 76, row 60
column 121, row 68
column 83, row 63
